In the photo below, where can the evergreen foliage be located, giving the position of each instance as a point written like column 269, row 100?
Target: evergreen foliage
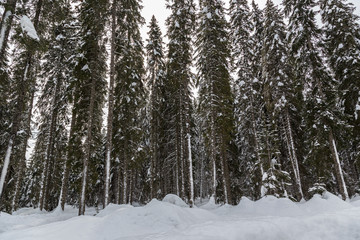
column 273, row 110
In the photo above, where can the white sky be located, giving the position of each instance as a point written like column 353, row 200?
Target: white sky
column 157, row 8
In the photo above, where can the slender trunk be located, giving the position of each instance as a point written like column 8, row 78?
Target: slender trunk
column 88, row 143
column 125, row 175
column 191, row 178
column 64, row 185
column 181, row 123
column 22, row 160
column 111, row 105
column 15, row 127
column 257, row 150
column 338, row 168
column 50, row 146
column 118, row 184
column 292, row 154
column 24, row 88
column 6, row 165
column 225, row 173
column 131, row 187
column 201, row 180
column 177, row 165
column 6, row 27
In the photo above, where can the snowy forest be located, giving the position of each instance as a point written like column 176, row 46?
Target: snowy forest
column 238, row 101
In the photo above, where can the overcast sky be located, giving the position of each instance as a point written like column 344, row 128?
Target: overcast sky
column 157, row 8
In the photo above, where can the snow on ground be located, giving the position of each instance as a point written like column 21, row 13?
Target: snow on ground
column 326, row 217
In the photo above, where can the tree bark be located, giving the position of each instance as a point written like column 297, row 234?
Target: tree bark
column 111, row 105
column 338, row 168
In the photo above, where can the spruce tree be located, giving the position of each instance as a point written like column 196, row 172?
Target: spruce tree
column 53, row 105
column 275, row 90
column 216, row 99
column 342, row 48
column 129, row 102
column 317, row 92
column 180, row 29
column 22, row 90
column 156, row 81
column 89, row 96
column 246, row 29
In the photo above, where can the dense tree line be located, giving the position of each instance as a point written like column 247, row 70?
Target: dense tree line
column 276, row 109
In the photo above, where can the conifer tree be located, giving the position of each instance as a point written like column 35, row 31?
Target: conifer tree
column 130, row 95
column 109, row 132
column 156, row 81
column 342, row 47
column 246, row 29
column 180, row 29
column 90, row 93
column 275, row 92
column 216, row 99
column 317, row 91
column 5, row 27
column 53, row 105
column 22, row 90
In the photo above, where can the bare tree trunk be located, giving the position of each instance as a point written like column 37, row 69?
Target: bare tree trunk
column 22, row 160
column 292, row 153
column 87, row 146
column 64, row 185
column 257, row 149
column 111, row 105
column 338, row 168
column 181, row 123
column 20, row 107
column 125, row 175
column 191, row 178
column 50, row 147
column 5, row 27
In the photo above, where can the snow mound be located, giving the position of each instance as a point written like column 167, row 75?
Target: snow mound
column 328, row 202
column 113, row 209
column 272, row 206
column 174, row 199
column 210, row 204
column 268, row 218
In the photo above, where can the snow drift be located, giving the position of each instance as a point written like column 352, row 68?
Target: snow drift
column 323, row 217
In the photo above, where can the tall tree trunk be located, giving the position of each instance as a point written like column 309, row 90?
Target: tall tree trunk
column 111, row 105
column 182, row 167
column 88, row 143
column 292, row 153
column 64, row 185
column 22, row 160
column 21, row 104
column 125, row 175
column 19, row 109
column 50, row 147
column 338, row 168
column 5, row 27
column 257, row 149
column 191, row 178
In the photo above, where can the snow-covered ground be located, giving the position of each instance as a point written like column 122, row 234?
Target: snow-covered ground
column 325, row 218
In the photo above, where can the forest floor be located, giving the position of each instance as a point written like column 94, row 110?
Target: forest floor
column 321, row 218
